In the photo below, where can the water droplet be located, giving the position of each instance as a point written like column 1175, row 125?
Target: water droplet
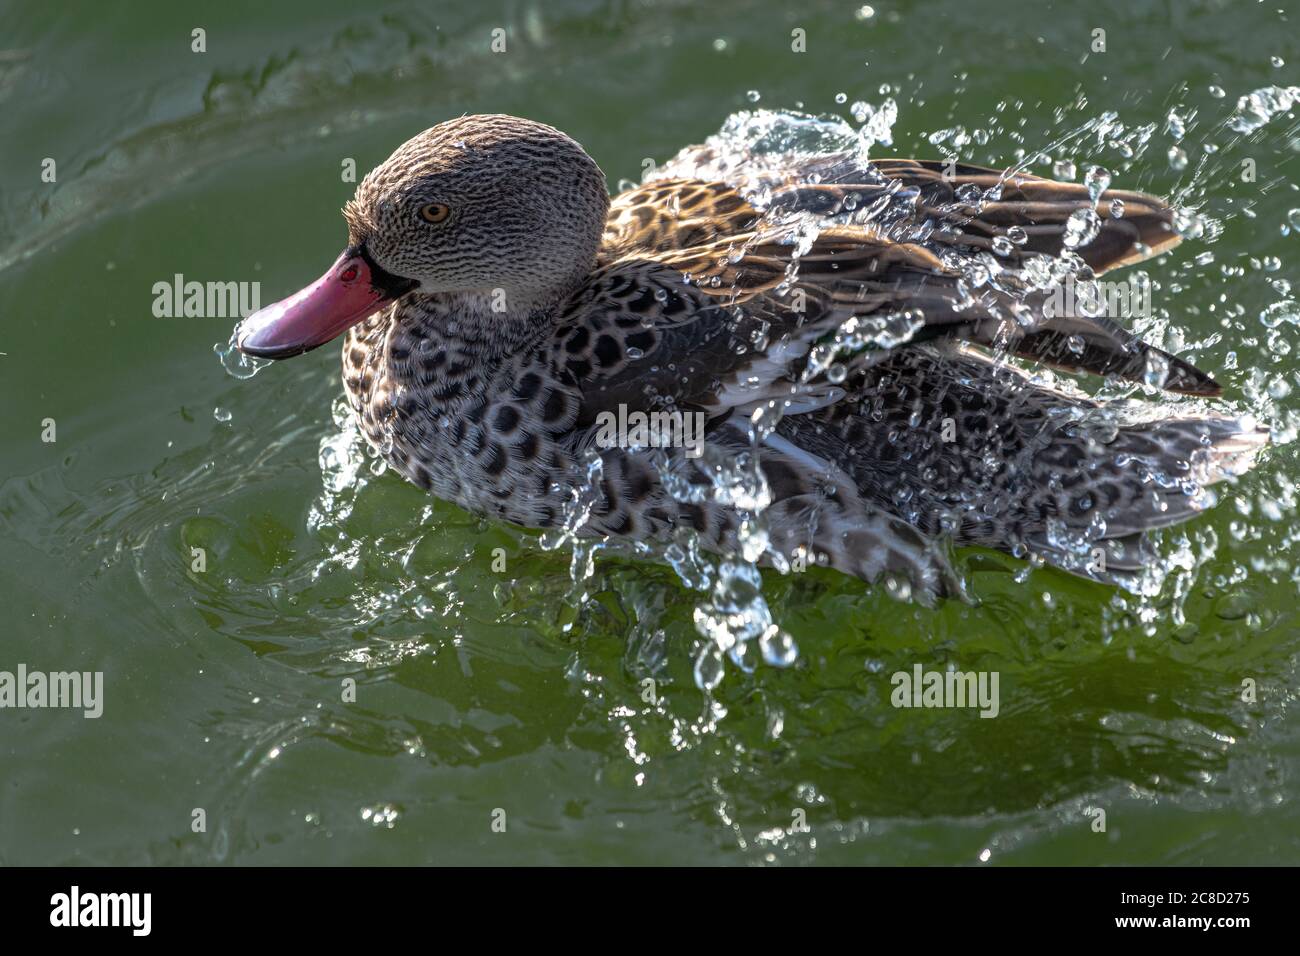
column 1285, row 311
column 1157, row 370
column 236, row 363
column 1189, row 224
column 221, row 414
column 1064, row 169
column 708, row 668
column 1081, row 228
column 778, row 647
column 753, row 96
column 1175, row 126
column 1097, row 179
column 1117, row 209
column 1177, row 159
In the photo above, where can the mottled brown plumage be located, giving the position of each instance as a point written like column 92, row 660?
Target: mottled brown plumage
column 538, row 305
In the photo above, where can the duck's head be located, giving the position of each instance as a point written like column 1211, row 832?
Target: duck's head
column 491, row 206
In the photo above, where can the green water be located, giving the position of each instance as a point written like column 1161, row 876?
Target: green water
column 479, row 691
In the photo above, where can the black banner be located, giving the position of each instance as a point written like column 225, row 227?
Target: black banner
column 987, row 905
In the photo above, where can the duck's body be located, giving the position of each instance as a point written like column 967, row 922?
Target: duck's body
column 533, row 308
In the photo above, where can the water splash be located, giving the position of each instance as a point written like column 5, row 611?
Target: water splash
column 1256, row 109
column 236, row 363
column 756, row 149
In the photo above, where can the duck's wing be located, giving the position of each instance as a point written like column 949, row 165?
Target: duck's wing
column 669, row 215
column 642, row 335
column 863, row 269
column 966, row 206
column 995, row 480
column 1040, row 207
column 853, row 272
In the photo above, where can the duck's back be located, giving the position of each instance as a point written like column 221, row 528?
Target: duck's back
column 743, row 284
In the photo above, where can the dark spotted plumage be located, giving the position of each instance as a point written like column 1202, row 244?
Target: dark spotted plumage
column 541, row 305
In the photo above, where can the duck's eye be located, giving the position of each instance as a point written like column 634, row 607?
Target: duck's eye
column 434, row 212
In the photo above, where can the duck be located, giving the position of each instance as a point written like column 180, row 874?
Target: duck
column 870, row 347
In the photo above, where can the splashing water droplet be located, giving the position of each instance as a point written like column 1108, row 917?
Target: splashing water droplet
column 1081, row 228
column 1189, row 224
column 778, row 647
column 1097, row 179
column 708, row 668
column 1288, row 310
column 236, row 363
column 1257, row 108
column 1175, row 126
column 1157, row 370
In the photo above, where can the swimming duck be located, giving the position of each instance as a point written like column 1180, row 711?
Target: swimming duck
column 854, row 333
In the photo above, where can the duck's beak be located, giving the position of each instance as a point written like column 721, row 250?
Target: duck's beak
column 353, row 289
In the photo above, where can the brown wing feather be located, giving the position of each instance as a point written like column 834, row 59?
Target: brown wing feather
column 855, row 272
column 732, row 262
column 1038, row 206
column 673, row 214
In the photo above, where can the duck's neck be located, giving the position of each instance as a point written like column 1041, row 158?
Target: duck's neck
column 449, row 349
column 472, row 325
